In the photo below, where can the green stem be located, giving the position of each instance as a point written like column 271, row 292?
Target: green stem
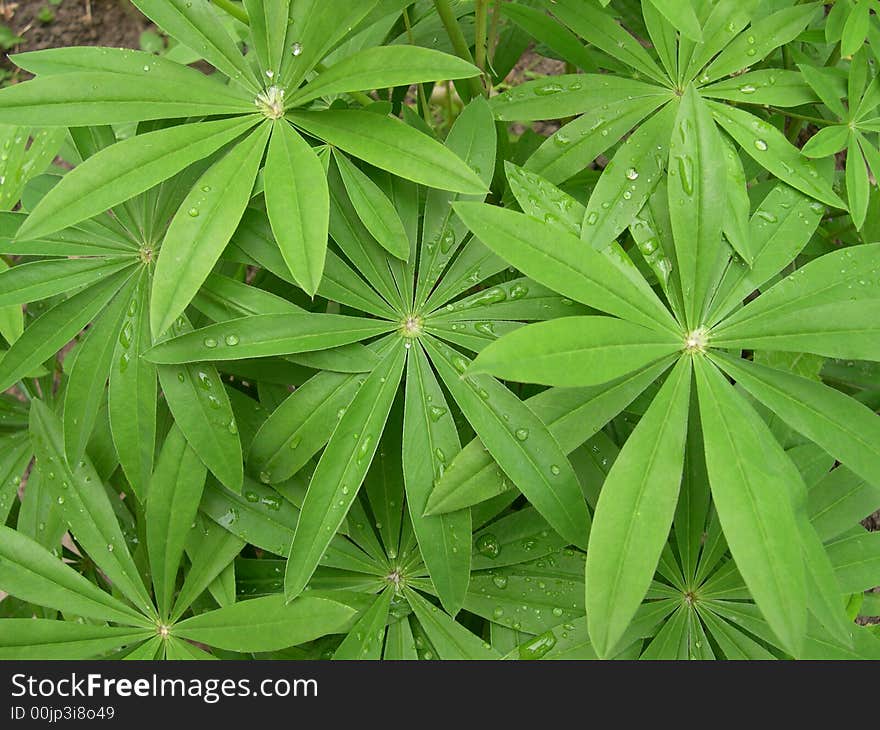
column 236, row 11
column 459, row 44
column 818, row 121
column 423, row 98
column 481, row 16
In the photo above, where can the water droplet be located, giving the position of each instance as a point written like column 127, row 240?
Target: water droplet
column 487, row 545
column 447, row 240
column 232, row 340
column 537, row 647
column 500, row 581
column 686, row 174
column 193, row 212
column 364, row 448
column 210, row 342
column 436, row 413
column 109, row 548
column 761, row 145
column 557, row 611
column 549, row 89
column 592, row 218
column 555, row 470
column 632, row 174
column 747, row 89
column 521, row 434
column 296, row 49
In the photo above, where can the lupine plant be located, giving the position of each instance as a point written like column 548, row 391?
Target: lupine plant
column 353, row 339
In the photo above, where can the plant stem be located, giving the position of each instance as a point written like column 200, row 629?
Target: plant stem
column 423, row 99
column 481, row 15
column 459, row 44
column 236, row 11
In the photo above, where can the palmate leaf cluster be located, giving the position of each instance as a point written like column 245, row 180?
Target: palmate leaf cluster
column 325, row 353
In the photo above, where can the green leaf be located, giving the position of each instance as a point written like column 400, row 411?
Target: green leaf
column 389, row 144
column 300, row 426
column 341, row 470
column 197, row 26
column 15, row 455
column 858, row 185
column 764, row 35
column 697, row 182
column 374, row 209
column 827, row 307
column 627, row 181
column 681, row 14
column 11, row 316
column 172, row 503
column 268, row 26
column 770, row 149
column 381, row 67
column 364, row 641
column 31, row 573
column 85, row 506
column 545, row 30
column 211, row 553
column 450, row 639
column 841, row 425
column 827, row 141
column 298, row 204
column 575, row 351
column 519, row 442
column 747, row 473
column 778, row 230
column 430, row 442
column 85, row 393
column 557, row 97
column 132, row 390
column 202, row 227
column 267, row 624
column 31, row 282
column 634, row 513
column 126, row 169
column 55, row 328
column 572, row 415
column 201, row 408
column 264, row 335
column 604, row 32
column 474, row 139
column 562, row 155
column 856, row 561
column 28, row 639
column 100, row 97
column 773, row 87
column 605, row 280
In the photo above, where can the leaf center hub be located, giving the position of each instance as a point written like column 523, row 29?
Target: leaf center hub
column 696, row 340
column 412, row 326
column 271, row 102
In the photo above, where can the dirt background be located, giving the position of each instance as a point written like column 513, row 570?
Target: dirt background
column 77, row 23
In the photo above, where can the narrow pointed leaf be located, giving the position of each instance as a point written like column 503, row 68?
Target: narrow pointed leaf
column 634, row 513
column 202, row 227
column 298, row 204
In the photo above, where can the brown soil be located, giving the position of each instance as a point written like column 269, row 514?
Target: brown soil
column 114, row 23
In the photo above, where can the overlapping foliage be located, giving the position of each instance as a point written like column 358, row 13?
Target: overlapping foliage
column 355, row 379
